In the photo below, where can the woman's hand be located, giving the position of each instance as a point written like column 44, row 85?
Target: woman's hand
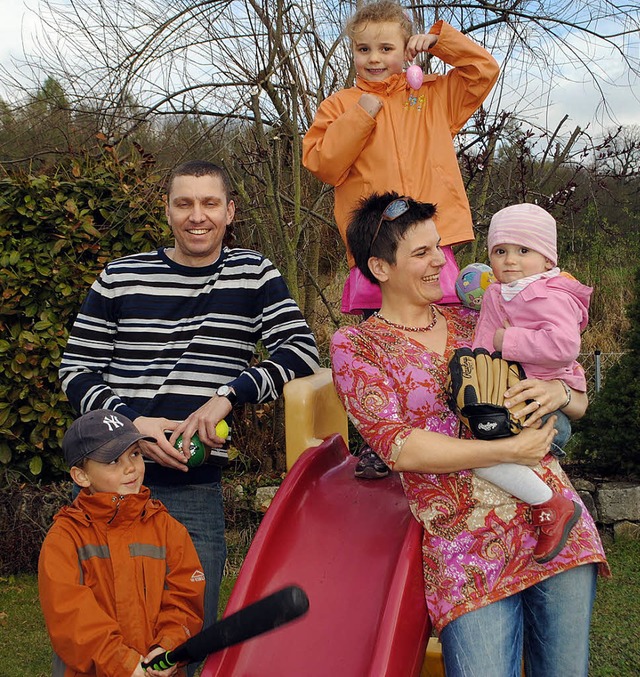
column 531, row 445
column 545, row 397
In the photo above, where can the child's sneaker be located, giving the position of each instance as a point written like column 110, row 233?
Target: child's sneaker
column 370, row 466
column 555, row 518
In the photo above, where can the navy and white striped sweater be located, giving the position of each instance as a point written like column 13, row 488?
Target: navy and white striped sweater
column 155, row 338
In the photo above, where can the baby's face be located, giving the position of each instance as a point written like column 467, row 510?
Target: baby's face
column 511, row 262
column 378, row 50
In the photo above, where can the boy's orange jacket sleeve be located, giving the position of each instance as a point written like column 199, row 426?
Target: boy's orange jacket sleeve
column 182, row 606
column 83, row 636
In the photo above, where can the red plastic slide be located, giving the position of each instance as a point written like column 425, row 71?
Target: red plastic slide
column 354, row 548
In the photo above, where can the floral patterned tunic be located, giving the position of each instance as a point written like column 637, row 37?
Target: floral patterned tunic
column 478, row 540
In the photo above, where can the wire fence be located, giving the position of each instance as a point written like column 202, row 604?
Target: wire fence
column 595, row 366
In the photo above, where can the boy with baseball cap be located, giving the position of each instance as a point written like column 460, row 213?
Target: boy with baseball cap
column 118, row 577
column 534, row 314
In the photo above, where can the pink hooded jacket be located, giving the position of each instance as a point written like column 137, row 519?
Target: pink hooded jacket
column 546, row 319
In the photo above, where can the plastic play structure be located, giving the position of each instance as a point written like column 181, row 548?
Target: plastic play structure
column 352, row 545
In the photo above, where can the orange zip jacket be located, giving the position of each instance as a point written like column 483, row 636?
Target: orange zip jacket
column 408, row 147
column 117, row 575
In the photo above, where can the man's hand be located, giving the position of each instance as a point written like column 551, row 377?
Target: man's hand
column 422, row 42
column 204, row 422
column 163, row 451
column 371, row 103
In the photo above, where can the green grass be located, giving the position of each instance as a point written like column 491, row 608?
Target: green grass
column 615, row 649
column 615, row 635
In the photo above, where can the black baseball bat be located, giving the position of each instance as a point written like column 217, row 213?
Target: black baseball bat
column 266, row 614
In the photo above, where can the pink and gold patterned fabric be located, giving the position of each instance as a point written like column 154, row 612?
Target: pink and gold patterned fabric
column 478, row 540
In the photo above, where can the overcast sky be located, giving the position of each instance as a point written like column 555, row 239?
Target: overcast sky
column 574, row 95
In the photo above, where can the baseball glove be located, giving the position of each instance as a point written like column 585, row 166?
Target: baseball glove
column 476, row 385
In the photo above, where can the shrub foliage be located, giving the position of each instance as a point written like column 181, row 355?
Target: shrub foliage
column 57, row 231
column 608, row 440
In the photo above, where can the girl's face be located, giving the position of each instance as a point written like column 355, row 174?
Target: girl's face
column 511, row 262
column 378, row 50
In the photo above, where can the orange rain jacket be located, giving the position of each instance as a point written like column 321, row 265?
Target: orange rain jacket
column 117, row 575
column 408, row 147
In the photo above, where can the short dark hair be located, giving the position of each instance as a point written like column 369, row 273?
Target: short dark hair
column 364, row 222
column 201, row 168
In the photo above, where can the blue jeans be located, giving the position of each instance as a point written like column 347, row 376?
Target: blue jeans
column 548, row 623
column 199, row 508
column 563, row 426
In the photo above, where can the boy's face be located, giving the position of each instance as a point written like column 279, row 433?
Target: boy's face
column 378, row 50
column 511, row 262
column 122, row 476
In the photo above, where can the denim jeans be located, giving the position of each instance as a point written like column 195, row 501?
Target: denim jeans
column 199, row 508
column 548, row 623
column 563, row 426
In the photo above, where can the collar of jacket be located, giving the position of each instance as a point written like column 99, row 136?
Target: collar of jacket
column 110, row 508
column 393, row 83
column 386, row 87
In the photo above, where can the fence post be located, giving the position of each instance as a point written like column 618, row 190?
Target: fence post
column 598, row 365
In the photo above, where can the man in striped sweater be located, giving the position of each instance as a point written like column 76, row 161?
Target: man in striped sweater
column 167, row 338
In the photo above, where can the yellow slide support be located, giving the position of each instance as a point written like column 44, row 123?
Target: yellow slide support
column 313, row 411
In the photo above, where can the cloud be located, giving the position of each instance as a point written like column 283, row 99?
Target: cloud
column 18, row 23
column 540, row 99
column 586, row 79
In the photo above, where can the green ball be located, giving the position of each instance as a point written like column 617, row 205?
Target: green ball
column 198, row 453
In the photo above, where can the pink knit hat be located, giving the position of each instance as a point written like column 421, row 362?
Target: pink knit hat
column 526, row 225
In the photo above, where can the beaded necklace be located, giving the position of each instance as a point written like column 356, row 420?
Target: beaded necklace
column 404, row 327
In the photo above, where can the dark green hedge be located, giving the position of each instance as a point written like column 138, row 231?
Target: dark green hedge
column 57, row 231
column 608, row 440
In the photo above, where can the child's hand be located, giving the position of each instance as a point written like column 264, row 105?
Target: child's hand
column 422, row 42
column 498, row 337
column 154, row 673
column 139, row 672
column 371, row 103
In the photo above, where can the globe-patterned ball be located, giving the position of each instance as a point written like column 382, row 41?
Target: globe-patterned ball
column 472, row 282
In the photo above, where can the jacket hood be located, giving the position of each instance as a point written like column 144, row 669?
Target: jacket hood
column 580, row 293
column 106, row 506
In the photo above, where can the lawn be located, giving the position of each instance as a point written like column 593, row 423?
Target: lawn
column 615, row 651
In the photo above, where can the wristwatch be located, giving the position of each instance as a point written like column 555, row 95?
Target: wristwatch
column 229, row 393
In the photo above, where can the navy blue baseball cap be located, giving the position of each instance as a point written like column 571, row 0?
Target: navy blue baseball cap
column 101, row 435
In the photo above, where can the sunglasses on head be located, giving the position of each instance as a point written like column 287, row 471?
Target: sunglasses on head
column 391, row 212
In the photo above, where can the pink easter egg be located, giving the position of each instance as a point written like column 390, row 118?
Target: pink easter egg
column 414, row 76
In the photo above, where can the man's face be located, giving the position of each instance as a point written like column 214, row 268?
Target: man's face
column 198, row 213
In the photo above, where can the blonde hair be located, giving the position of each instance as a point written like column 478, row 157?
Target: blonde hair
column 379, row 12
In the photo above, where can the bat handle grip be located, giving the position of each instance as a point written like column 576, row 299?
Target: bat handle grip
column 160, row 662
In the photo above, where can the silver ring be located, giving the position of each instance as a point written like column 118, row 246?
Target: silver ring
column 538, row 403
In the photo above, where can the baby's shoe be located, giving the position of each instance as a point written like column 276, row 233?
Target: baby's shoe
column 555, row 518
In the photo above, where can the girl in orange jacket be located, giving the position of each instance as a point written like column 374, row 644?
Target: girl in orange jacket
column 381, row 135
